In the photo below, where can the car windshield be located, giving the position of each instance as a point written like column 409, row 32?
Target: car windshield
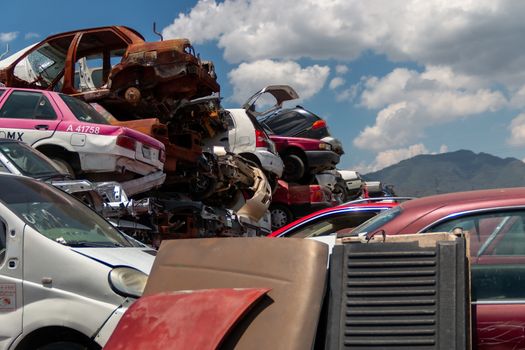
column 57, row 215
column 377, row 222
column 83, row 111
column 28, row 161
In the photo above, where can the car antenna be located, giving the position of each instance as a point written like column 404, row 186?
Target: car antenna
column 5, row 52
column 155, row 31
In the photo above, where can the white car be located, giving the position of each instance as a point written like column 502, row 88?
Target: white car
column 66, row 274
column 80, row 140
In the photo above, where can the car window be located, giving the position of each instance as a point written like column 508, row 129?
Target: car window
column 340, row 223
column 287, row 124
column 497, row 248
column 43, row 65
column 83, row 111
column 376, row 222
column 27, row 160
column 2, row 92
column 3, row 169
column 57, row 215
column 27, row 105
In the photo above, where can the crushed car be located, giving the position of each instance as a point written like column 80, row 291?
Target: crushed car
column 80, row 140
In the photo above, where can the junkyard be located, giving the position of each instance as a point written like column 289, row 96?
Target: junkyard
column 152, row 200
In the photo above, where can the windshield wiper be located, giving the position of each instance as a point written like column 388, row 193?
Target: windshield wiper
column 87, row 244
column 52, row 176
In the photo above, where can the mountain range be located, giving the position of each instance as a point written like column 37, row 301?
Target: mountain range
column 461, row 170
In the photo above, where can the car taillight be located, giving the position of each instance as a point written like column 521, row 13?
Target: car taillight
column 261, row 140
column 316, row 194
column 318, row 124
column 126, row 142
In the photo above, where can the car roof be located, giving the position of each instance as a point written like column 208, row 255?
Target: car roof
column 418, row 214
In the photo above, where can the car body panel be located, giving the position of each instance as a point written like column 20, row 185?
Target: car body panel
column 181, row 316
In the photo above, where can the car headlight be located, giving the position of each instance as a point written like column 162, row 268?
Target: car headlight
column 127, row 281
column 325, row 146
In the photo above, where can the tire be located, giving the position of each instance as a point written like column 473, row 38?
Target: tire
column 294, row 167
column 281, row 216
column 342, row 192
column 64, row 345
column 64, row 166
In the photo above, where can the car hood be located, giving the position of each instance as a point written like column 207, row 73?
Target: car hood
column 281, row 93
column 140, row 258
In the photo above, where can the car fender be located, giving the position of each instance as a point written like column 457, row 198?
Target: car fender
column 180, row 316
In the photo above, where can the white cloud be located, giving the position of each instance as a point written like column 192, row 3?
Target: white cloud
column 8, row 37
column 478, row 37
column 411, row 101
column 517, row 131
column 347, row 94
column 336, row 82
column 31, row 35
column 341, row 69
column 248, row 78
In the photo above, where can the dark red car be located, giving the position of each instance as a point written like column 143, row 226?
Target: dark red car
column 303, row 156
column 495, row 222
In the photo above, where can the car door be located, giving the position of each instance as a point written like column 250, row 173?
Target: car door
column 11, row 302
column 497, row 250
column 28, row 116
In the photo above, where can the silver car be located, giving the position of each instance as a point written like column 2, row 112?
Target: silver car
column 66, row 274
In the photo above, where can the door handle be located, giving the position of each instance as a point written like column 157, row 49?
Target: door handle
column 42, row 127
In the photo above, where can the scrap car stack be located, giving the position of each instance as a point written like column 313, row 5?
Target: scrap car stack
column 142, row 123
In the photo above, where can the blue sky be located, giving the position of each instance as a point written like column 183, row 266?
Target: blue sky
column 393, row 78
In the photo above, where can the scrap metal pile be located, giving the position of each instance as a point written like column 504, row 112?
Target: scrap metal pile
column 211, row 185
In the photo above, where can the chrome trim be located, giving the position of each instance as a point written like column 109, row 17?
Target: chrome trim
column 498, row 302
column 379, row 199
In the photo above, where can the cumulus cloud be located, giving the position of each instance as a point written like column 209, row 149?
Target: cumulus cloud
column 517, row 131
column 8, row 37
column 336, row 82
column 31, row 35
column 475, row 37
column 248, row 78
column 410, row 101
column 341, row 69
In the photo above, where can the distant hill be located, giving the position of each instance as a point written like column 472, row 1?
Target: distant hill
column 450, row 172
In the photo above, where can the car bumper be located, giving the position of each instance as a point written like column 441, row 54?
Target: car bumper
column 321, row 160
column 270, row 162
column 144, row 183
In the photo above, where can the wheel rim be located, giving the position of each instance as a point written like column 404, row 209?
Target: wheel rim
column 279, row 218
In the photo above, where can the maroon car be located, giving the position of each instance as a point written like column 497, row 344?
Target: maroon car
column 495, row 222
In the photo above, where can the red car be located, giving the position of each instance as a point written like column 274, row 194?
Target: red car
column 495, row 222
column 291, row 201
column 341, row 219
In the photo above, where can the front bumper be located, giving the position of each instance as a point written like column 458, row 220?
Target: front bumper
column 321, row 160
column 270, row 162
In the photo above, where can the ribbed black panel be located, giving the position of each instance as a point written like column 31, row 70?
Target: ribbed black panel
column 398, row 296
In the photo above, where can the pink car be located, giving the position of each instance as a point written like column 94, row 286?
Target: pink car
column 80, row 140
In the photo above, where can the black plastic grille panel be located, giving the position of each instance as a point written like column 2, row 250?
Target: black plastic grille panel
column 398, row 296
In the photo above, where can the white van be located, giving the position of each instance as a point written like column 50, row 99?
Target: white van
column 66, row 274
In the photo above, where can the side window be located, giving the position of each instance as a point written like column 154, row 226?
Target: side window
column 497, row 250
column 2, row 92
column 27, row 105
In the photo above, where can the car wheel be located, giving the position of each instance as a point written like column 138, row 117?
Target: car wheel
column 64, row 345
column 294, row 167
column 64, row 166
column 281, row 216
column 341, row 192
